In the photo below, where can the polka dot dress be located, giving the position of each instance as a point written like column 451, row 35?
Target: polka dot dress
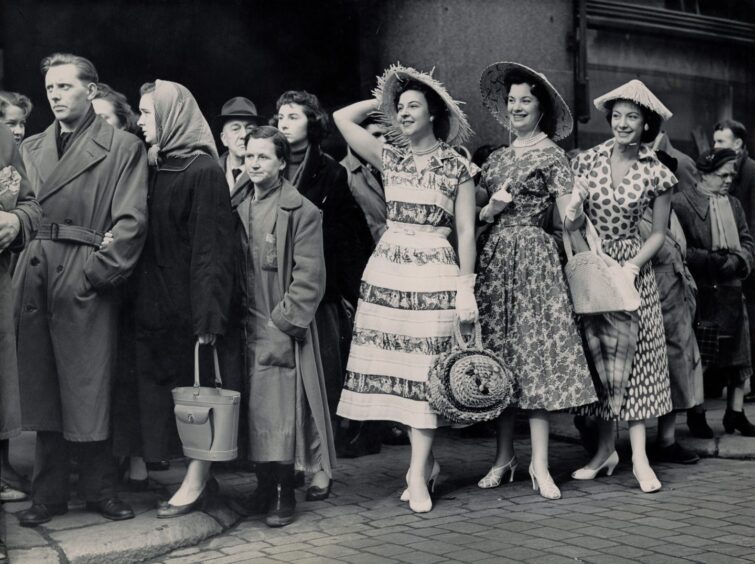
column 616, row 213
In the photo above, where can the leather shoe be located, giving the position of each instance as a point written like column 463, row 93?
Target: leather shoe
column 40, row 513
column 168, row 511
column 674, row 453
column 111, row 508
column 137, row 485
column 316, row 493
column 161, row 466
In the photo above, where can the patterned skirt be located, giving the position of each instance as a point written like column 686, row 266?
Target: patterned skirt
column 527, row 318
column 404, row 320
column 647, row 392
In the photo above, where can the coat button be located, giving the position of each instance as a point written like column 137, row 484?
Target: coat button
column 34, row 261
column 30, row 308
column 68, row 221
column 59, row 269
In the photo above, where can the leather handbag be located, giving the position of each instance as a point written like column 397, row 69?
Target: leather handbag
column 597, row 283
column 207, row 418
column 469, row 384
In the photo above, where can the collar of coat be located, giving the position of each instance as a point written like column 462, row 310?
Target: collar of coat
column 699, row 201
column 351, row 161
column 645, row 153
column 436, row 159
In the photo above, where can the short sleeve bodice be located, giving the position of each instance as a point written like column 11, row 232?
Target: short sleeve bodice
column 617, row 211
column 424, row 198
column 534, row 179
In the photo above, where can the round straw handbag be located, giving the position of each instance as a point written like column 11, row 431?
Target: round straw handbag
column 469, row 384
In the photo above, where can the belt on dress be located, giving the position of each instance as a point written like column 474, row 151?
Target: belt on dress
column 70, row 234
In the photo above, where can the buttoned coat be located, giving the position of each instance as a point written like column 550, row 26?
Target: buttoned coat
column 66, row 302
column 28, row 213
column 301, row 272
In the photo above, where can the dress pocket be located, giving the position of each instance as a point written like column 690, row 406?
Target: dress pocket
column 275, row 348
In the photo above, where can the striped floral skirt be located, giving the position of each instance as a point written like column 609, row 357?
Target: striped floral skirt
column 404, row 320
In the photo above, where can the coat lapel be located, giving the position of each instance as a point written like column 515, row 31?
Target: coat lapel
column 698, row 202
column 86, row 151
column 45, row 158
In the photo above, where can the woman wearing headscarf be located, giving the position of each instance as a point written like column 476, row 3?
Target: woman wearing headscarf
column 615, row 183
column 413, row 289
column 720, row 255
column 525, row 312
column 182, row 284
column 346, row 238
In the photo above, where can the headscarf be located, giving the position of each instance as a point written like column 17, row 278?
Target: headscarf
column 723, row 227
column 182, row 130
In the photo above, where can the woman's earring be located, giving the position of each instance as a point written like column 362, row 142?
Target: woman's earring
column 432, row 118
column 647, row 127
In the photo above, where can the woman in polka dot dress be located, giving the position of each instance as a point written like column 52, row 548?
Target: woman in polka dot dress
column 615, row 183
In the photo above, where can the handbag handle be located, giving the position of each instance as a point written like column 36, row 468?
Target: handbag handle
column 476, row 340
column 218, row 379
column 591, row 237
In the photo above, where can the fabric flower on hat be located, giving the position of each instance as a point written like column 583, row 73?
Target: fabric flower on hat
column 10, row 183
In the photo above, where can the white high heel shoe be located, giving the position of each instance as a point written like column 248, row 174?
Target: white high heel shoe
column 649, row 483
column 494, row 477
column 545, row 485
column 430, row 482
column 609, row 464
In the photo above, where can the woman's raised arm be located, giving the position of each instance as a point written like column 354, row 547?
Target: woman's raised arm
column 348, row 122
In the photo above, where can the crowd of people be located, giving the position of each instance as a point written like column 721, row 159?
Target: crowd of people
column 327, row 290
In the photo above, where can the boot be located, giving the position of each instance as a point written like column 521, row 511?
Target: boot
column 283, row 501
column 737, row 420
column 259, row 501
column 698, row 426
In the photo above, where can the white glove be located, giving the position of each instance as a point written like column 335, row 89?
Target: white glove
column 497, row 204
column 632, row 270
column 575, row 208
column 466, row 305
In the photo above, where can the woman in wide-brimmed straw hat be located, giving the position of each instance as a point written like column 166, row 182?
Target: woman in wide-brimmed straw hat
column 616, row 181
column 412, row 289
column 525, row 311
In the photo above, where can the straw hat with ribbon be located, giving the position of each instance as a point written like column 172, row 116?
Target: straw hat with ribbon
column 494, row 96
column 634, row 91
column 387, row 89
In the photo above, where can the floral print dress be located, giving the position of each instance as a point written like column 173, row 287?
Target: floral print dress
column 406, row 310
column 525, row 311
column 616, row 213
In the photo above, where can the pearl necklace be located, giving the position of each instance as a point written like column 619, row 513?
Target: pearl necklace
column 422, row 153
column 532, row 140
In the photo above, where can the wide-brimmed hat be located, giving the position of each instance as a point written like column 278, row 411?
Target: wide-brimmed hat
column 634, row 91
column 494, row 96
column 239, row 108
column 388, row 87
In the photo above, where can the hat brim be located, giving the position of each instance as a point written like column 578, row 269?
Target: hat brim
column 255, row 120
column 388, row 87
column 494, row 97
column 634, row 91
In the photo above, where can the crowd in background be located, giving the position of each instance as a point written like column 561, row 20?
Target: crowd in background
column 327, row 290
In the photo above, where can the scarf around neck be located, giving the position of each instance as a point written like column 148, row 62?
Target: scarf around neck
column 723, row 226
column 182, row 130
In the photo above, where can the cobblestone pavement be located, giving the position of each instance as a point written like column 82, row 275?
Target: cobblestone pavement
column 703, row 514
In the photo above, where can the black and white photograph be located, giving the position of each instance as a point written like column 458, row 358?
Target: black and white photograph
column 377, row 281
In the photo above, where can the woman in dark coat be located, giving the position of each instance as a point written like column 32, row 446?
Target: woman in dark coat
column 346, row 238
column 183, row 283
column 720, row 255
column 19, row 218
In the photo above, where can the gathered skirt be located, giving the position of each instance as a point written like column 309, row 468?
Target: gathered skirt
column 528, row 320
column 404, row 320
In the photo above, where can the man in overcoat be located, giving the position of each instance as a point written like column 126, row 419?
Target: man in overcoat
column 89, row 179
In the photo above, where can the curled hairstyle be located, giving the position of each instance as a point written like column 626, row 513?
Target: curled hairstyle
column 85, row 70
column 435, row 105
column 737, row 128
column 547, row 121
column 282, row 148
column 649, row 118
column 15, row 99
column 121, row 108
column 317, row 118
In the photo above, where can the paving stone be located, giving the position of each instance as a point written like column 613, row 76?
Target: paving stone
column 34, row 556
